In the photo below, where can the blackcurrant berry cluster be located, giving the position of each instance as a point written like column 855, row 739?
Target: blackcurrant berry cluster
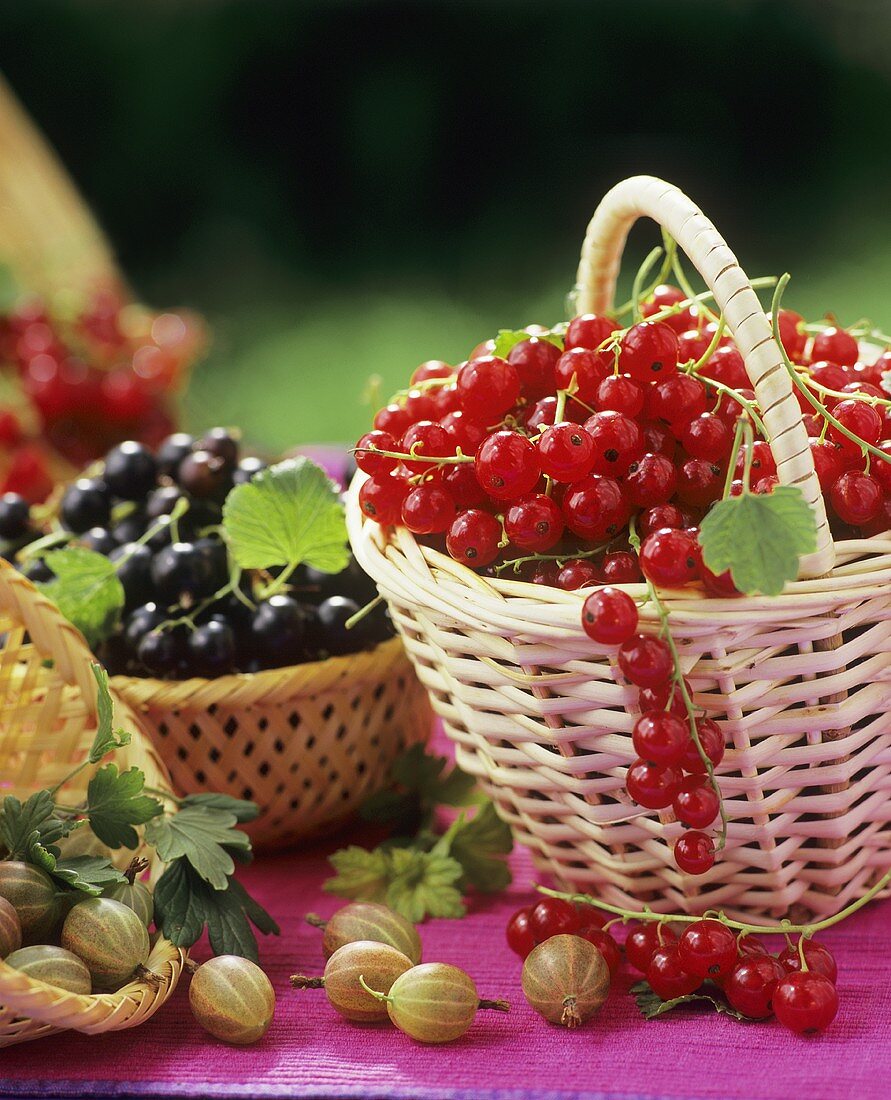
column 541, row 457
column 676, row 959
column 88, row 381
column 156, row 515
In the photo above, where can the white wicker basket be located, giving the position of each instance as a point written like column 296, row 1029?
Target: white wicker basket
column 800, row 684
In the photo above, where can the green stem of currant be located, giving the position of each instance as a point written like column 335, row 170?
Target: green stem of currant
column 684, row 284
column 802, row 388
column 734, row 455
column 362, row 612
column 637, row 289
column 784, row 927
column 559, row 558
column 743, row 402
column 712, row 346
column 669, row 247
column 415, row 456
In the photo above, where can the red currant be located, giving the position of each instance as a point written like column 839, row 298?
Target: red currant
column 645, row 661
column 712, row 741
column 829, row 462
column 676, row 400
column 836, row 346
column 694, row 853
column 588, row 368
column 664, row 297
column 459, row 480
column 692, row 344
column 617, row 441
column 856, row 497
column 830, row 375
column 718, row 584
column 595, row 509
column 507, row 465
column 534, row 523
column 805, row 1002
column 648, row 938
column 520, row 937
column 792, row 334
column 589, row 330
column 665, row 696
column 566, row 452
column 368, row 460
column 666, row 975
column 381, row 497
column 700, row 482
column 650, row 481
column 651, row 785
column 609, row 617
column 419, row 405
column 553, row 917
column 861, row 419
column 619, row 393
column 670, row 558
column 467, row 433
column 662, row 515
column 393, row 419
column 659, row 439
column 474, row 538
column 880, row 468
column 534, row 360
column 604, row 943
column 649, row 351
column 696, row 804
column 427, row 440
column 751, row 984
column 428, row 510
column 576, row 573
column 708, row 949
column 660, row 737
column 708, row 437
column 726, row 365
column 432, row 368
column 817, row 956
column 488, row 387
column 621, row 567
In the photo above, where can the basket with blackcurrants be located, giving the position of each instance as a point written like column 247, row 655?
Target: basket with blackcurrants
column 221, row 595
column 641, row 559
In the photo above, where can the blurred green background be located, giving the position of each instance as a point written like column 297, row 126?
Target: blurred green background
column 347, row 188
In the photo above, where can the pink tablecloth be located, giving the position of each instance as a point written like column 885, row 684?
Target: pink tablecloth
column 311, row 1052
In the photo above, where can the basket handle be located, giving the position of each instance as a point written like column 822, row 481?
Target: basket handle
column 596, row 283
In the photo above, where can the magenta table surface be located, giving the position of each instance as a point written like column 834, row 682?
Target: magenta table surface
column 312, row 1052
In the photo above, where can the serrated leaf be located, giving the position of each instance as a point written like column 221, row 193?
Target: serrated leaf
column 115, row 803
column 240, row 808
column 288, row 514
column 203, row 836
column 760, row 538
column 185, row 903
column 362, row 874
column 507, row 339
column 86, row 590
column 28, row 829
column 424, row 884
column 479, row 845
column 107, row 738
column 88, row 874
column 651, row 1004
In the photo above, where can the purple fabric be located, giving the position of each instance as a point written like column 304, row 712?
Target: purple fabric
column 312, row 1052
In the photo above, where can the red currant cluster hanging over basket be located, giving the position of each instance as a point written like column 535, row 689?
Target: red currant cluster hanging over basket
column 640, row 560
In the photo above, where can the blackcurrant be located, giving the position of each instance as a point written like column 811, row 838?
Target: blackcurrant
column 161, row 651
column 172, row 451
column 211, row 649
column 206, row 476
column 98, row 539
column 140, row 622
column 248, row 467
column 85, row 504
column 184, row 569
column 283, row 631
column 333, row 615
column 14, row 515
column 131, row 527
column 221, row 442
column 134, row 573
column 130, row 471
column 162, row 501
column 38, row 572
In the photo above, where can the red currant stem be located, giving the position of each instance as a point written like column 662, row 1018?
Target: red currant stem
column 362, row 612
column 637, row 289
column 684, row 284
column 712, row 347
column 559, row 558
column 747, row 464
column 784, row 927
column 859, row 330
column 670, row 247
column 679, row 684
column 427, row 384
column 744, row 402
column 413, row 456
column 801, row 957
column 864, row 397
column 793, row 374
column 373, row 992
column 734, row 455
column 610, row 923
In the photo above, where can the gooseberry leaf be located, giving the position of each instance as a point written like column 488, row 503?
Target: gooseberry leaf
column 204, row 836
column 241, row 809
column 87, row 591
column 362, row 874
column 651, row 1004
column 107, row 738
column 424, row 884
column 288, row 514
column 479, row 846
column 507, row 339
column 115, row 803
column 760, row 538
column 88, row 874
column 27, row 829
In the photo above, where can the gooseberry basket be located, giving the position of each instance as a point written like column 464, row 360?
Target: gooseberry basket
column 48, row 709
column 307, row 743
column 800, row 684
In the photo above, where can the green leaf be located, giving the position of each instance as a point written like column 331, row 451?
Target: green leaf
column 185, row 902
column 89, row 874
column 288, row 514
column 417, row 770
column 424, row 884
column 29, row 829
column 240, row 809
column 107, row 739
column 86, row 590
column 508, row 338
column 202, row 834
column 362, row 875
column 479, row 846
column 115, row 803
column 651, row 1004
column 759, row 537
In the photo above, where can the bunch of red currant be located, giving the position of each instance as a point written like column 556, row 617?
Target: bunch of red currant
column 540, row 458
column 90, row 378
column 798, row 985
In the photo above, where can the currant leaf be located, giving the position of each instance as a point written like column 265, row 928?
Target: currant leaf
column 507, row 339
column 288, row 514
column 424, row 884
column 115, row 803
column 88, row 874
column 480, row 846
column 759, row 538
column 651, row 1004
column 28, row 829
column 107, row 738
column 362, row 875
column 86, row 590
column 203, row 835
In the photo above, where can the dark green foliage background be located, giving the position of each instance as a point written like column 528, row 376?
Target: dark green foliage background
column 346, row 188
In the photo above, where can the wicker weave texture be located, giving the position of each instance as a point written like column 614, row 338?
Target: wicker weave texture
column 47, row 724
column 308, row 743
column 800, row 684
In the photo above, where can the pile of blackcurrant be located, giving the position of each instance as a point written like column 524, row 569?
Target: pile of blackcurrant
column 797, row 985
column 181, row 617
column 88, row 378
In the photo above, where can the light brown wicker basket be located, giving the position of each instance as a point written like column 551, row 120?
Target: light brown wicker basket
column 47, row 723
column 800, row 684
column 307, row 743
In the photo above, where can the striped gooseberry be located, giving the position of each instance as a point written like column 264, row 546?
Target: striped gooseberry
column 53, row 965
column 31, row 893
column 566, row 980
column 368, row 920
column 378, row 963
column 10, row 929
column 109, row 937
column 232, row 999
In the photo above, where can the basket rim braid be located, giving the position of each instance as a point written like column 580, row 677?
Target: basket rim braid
column 30, row 1009
column 308, row 742
column 800, row 683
